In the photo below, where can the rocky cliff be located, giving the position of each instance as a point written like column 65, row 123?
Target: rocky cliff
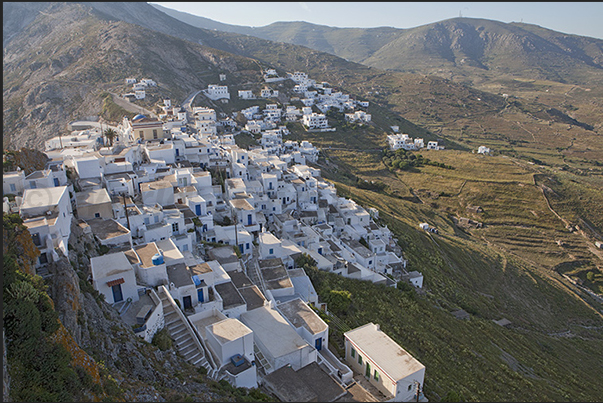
column 103, row 359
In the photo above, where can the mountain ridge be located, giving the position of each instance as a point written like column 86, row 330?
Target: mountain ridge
column 410, row 49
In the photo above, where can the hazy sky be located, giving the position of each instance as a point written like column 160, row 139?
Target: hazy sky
column 579, row 18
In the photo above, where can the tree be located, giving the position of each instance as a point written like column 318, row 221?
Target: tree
column 110, row 134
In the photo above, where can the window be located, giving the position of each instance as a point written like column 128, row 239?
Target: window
column 410, row 387
column 175, row 227
column 353, row 352
column 13, row 188
column 140, row 133
column 154, row 133
column 359, row 359
column 271, row 251
column 32, row 184
column 376, row 375
column 96, row 215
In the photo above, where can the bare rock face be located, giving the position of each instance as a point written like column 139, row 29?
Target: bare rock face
column 66, row 294
column 96, row 327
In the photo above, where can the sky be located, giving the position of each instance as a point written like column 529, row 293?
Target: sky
column 578, row 18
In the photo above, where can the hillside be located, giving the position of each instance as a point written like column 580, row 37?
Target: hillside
column 53, row 75
column 456, row 47
column 540, row 190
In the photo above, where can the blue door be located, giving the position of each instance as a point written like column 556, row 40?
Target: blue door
column 56, row 182
column 249, row 222
column 200, row 294
column 318, row 343
column 117, row 294
column 177, row 152
column 198, row 209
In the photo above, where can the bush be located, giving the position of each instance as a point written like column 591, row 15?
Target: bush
column 162, row 340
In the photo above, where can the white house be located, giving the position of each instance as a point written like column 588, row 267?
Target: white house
column 157, row 192
column 216, row 92
column 114, row 277
column 315, row 121
column 269, row 246
column 483, row 150
column 87, row 167
column 13, row 182
column 47, row 214
column 150, row 268
column 232, row 344
column 94, row 203
column 277, row 340
column 358, row 116
column 306, row 322
column 386, row 365
column 246, row 94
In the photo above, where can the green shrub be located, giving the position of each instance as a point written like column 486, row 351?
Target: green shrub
column 162, row 340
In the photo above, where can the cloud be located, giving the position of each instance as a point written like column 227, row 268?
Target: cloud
column 305, row 6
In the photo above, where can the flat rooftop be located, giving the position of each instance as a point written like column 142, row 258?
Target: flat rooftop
column 308, row 384
column 224, row 254
column 109, row 265
column 228, row 330
column 301, row 315
column 253, row 297
column 274, row 273
column 230, row 295
column 277, row 284
column 106, row 229
column 273, row 332
column 202, row 323
column 200, row 268
column 156, row 185
column 385, row 352
column 145, row 254
column 240, row 279
column 179, row 275
column 42, row 197
column 93, row 196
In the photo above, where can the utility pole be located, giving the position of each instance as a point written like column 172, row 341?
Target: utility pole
column 126, row 209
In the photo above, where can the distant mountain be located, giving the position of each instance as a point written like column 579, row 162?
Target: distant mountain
column 58, row 66
column 59, row 61
column 465, row 47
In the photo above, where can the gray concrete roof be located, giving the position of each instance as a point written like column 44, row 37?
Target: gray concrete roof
column 253, row 296
column 230, row 295
column 179, row 275
column 228, row 330
column 106, row 229
column 300, row 314
column 273, row 331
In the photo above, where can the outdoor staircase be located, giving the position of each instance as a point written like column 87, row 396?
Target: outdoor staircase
column 253, row 272
column 183, row 336
column 43, row 272
column 261, row 360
